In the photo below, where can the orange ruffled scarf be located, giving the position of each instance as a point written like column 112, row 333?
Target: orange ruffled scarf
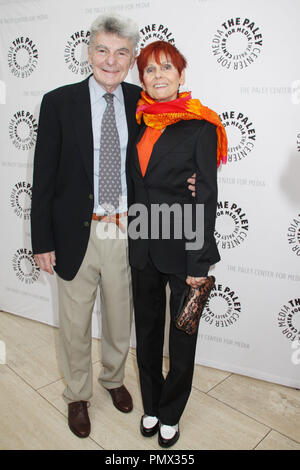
column 160, row 115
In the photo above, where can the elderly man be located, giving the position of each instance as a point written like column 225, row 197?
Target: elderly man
column 86, row 130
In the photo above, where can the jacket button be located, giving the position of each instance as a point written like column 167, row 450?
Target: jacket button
column 91, row 196
column 86, row 224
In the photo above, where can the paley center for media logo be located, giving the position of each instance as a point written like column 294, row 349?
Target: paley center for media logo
column 232, row 225
column 288, row 319
column 237, row 43
column 76, row 53
column 293, row 235
column 20, row 199
column 22, row 57
column 23, row 130
column 24, row 266
column 223, row 307
column 155, row 32
column 241, row 134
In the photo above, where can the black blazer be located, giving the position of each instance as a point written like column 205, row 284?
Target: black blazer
column 182, row 149
column 63, row 189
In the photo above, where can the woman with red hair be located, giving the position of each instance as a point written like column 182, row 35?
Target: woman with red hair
column 178, row 137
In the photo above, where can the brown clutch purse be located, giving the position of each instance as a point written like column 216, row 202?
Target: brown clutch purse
column 192, row 306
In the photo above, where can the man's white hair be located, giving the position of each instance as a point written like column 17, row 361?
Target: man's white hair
column 116, row 24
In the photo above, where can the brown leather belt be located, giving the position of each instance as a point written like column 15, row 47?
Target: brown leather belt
column 114, row 218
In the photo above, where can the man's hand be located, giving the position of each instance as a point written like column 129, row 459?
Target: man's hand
column 192, row 185
column 195, row 281
column 45, row 261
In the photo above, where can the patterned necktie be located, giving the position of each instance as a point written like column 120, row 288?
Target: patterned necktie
column 110, row 187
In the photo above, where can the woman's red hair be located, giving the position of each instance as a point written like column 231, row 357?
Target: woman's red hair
column 156, row 48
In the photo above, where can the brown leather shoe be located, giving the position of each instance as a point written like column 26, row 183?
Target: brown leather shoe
column 121, row 398
column 78, row 418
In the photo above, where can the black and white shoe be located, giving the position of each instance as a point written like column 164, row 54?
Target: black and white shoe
column 168, row 435
column 149, row 425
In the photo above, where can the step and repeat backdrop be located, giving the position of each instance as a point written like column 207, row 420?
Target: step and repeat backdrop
column 243, row 62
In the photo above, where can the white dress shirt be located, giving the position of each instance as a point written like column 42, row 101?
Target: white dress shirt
column 98, row 105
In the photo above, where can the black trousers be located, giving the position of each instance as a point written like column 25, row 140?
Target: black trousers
column 164, row 398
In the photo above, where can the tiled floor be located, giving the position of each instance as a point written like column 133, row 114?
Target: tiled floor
column 225, row 411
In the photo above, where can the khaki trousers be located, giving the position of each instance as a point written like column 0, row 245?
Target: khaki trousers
column 105, row 261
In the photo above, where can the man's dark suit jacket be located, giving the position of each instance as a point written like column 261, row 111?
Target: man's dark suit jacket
column 182, row 149
column 62, row 193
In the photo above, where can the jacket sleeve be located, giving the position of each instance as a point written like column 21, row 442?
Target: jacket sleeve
column 46, row 158
column 200, row 260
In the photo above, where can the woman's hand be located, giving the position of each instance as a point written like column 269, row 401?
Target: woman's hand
column 192, row 185
column 195, row 281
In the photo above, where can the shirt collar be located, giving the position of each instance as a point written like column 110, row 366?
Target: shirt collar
column 99, row 92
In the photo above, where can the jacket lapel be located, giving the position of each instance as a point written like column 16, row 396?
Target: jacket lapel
column 130, row 100
column 172, row 136
column 135, row 152
column 82, row 119
column 130, row 109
